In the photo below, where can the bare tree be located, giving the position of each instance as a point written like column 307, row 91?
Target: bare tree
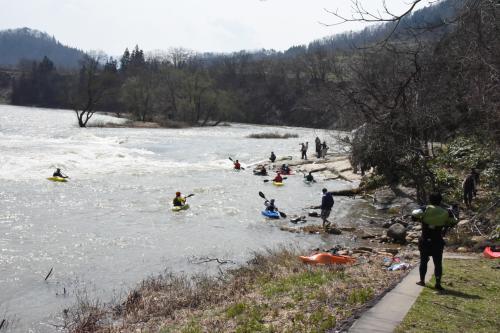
column 89, row 89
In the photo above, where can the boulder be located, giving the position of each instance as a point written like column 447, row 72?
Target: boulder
column 463, row 249
column 397, row 232
column 463, row 222
column 313, row 214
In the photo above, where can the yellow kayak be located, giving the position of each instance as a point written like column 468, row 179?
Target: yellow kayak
column 179, row 208
column 278, row 183
column 58, row 179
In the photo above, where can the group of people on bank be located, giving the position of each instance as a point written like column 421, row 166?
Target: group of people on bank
column 321, row 149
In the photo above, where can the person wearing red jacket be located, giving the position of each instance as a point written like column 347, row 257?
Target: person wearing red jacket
column 278, row 178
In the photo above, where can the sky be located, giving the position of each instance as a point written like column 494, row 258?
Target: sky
column 198, row 25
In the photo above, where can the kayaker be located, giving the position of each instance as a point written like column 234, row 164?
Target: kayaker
column 237, row 165
column 270, row 205
column 435, row 221
column 260, row 171
column 278, row 178
column 326, row 207
column 58, row 173
column 309, row 177
column 272, row 158
column 179, row 200
column 285, row 169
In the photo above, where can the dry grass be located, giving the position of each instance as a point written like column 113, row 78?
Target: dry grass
column 272, row 135
column 274, row 292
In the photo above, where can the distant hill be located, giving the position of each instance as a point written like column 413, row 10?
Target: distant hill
column 28, row 44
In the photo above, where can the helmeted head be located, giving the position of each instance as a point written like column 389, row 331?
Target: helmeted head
column 177, row 194
column 279, row 173
column 310, row 173
column 324, row 190
column 435, row 198
column 237, row 161
column 271, row 201
column 58, row 170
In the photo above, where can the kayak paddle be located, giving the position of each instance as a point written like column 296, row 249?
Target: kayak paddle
column 189, row 196
column 269, row 180
column 283, row 215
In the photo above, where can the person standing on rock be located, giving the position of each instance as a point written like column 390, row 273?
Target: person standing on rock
column 273, row 157
column 435, row 221
column 326, row 207
column 317, row 141
column 303, row 150
column 469, row 188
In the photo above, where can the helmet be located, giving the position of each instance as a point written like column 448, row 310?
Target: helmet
column 177, row 193
column 272, row 200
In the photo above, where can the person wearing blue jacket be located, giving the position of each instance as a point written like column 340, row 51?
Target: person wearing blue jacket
column 326, row 207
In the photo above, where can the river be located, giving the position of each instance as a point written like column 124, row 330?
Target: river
column 111, row 225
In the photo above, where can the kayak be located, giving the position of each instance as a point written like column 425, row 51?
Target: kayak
column 58, row 179
column 489, row 253
column 278, row 183
column 179, row 208
column 325, row 258
column 271, row 214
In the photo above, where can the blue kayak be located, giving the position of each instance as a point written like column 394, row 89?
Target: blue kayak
column 271, row 214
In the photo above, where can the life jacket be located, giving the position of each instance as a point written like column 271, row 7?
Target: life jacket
column 278, row 179
column 179, row 201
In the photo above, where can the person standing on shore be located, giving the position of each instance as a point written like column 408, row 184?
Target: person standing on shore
column 469, row 188
column 317, row 141
column 435, row 221
column 303, row 150
column 326, row 207
column 324, row 149
column 272, row 158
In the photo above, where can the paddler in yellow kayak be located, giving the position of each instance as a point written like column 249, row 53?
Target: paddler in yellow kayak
column 58, row 173
column 179, row 201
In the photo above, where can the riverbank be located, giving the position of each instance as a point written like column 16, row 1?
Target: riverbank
column 274, row 292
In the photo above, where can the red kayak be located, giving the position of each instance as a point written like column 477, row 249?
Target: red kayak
column 325, row 258
column 489, row 253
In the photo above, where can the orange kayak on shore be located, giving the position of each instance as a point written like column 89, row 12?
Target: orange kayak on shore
column 489, row 253
column 325, row 258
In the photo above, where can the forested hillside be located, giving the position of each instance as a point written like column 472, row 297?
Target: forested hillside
column 17, row 45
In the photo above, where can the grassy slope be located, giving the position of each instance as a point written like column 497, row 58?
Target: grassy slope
column 275, row 292
column 471, row 302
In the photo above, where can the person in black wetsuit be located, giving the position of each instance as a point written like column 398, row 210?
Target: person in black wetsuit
column 435, row 221
column 309, row 177
column 273, row 157
column 270, row 205
column 58, row 173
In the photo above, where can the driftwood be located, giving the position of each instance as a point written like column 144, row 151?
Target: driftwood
column 2, row 323
column 347, row 193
